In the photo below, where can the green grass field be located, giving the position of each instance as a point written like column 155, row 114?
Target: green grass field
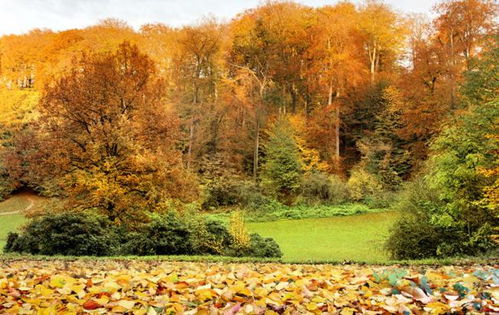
column 353, row 238
column 9, row 223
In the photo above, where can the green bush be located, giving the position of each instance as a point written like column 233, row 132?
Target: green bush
column 12, row 243
column 252, row 198
column 264, row 247
column 73, row 234
column 164, row 235
column 412, row 238
column 258, row 247
column 221, row 192
column 210, row 237
column 419, row 233
column 87, row 234
column 228, row 192
column 321, row 188
column 172, row 234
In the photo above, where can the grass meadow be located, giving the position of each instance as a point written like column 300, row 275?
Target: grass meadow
column 357, row 238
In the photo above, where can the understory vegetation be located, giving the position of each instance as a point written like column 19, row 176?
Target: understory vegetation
column 87, row 234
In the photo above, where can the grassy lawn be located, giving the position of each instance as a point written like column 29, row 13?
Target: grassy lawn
column 9, row 223
column 352, row 238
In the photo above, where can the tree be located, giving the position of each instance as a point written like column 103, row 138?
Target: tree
column 198, row 62
column 383, row 152
column 251, row 69
column 463, row 26
column 382, row 32
column 337, row 63
column 481, row 83
column 454, row 200
column 282, row 170
column 107, row 138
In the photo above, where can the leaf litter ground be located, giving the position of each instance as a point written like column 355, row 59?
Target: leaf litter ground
column 145, row 287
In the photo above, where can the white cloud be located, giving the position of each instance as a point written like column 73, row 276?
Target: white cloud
column 19, row 16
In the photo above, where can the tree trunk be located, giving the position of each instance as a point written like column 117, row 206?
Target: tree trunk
column 191, row 139
column 453, row 78
column 337, row 132
column 373, row 64
column 330, row 94
column 256, row 151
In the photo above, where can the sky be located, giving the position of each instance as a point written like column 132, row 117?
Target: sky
column 20, row 16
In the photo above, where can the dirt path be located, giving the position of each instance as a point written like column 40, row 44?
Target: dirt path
column 31, row 204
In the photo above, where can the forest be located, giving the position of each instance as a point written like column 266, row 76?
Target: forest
column 285, row 110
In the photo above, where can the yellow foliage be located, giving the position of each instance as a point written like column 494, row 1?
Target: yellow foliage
column 491, row 192
column 17, row 106
column 238, row 230
column 311, row 160
column 362, row 184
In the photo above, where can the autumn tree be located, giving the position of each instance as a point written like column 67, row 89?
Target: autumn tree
column 21, row 57
column 382, row 32
column 251, row 75
column 107, row 138
column 336, row 68
column 198, row 65
column 463, row 26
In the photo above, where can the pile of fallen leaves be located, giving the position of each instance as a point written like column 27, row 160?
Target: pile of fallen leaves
column 141, row 287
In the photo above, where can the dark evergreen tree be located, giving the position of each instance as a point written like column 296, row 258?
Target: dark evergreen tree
column 282, row 170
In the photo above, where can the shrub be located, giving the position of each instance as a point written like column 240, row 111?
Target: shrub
column 252, row 198
column 220, row 192
column 363, row 186
column 171, row 234
column 318, row 187
column 258, row 247
column 12, row 243
column 238, row 232
column 263, row 247
column 86, row 234
column 73, row 234
column 231, row 192
column 209, row 237
column 422, row 233
column 412, row 238
column 164, row 235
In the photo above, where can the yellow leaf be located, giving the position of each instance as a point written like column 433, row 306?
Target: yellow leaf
column 151, row 311
column 59, row 281
column 348, row 311
column 126, row 304
column 205, row 294
column 312, row 306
